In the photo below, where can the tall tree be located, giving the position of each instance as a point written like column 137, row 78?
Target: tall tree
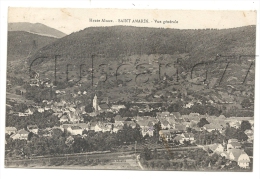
column 245, row 125
column 202, row 122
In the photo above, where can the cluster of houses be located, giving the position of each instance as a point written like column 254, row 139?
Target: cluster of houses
column 172, row 129
column 171, row 135
column 231, row 151
column 173, row 126
column 73, row 113
column 71, row 118
column 170, row 123
column 17, row 134
column 21, row 134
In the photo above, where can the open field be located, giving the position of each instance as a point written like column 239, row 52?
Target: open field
column 120, row 160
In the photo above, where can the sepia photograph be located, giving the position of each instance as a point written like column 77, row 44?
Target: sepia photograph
column 130, row 89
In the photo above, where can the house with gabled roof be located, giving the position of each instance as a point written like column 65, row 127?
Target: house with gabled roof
column 165, row 135
column 117, row 126
column 187, row 137
column 239, row 156
column 194, row 116
column 106, row 127
column 171, row 120
column 98, row 128
column 10, row 130
column 103, row 127
column 152, row 119
column 146, row 126
column 29, row 111
column 75, row 130
column 243, row 160
column 64, row 118
column 84, row 126
column 118, row 123
column 104, row 107
column 186, row 118
column 250, row 135
column 92, row 125
column 232, row 140
column 118, row 118
column 233, row 145
column 162, row 114
column 143, row 123
column 180, row 127
column 138, row 118
column 177, row 116
column 116, row 107
column 216, row 148
column 178, row 138
column 73, row 116
column 187, row 124
column 21, row 135
column 235, row 124
column 165, row 124
column 148, row 130
column 40, row 110
column 33, row 128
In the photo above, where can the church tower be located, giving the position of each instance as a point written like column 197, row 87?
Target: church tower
column 95, row 103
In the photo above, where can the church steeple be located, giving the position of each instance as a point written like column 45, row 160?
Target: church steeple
column 95, row 103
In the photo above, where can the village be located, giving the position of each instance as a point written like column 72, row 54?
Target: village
column 226, row 137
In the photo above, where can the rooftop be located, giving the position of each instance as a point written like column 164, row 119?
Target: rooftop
column 75, row 127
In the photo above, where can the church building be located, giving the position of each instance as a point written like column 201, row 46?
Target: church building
column 100, row 107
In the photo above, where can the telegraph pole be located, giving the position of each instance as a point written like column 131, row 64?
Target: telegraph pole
column 135, row 147
column 135, row 152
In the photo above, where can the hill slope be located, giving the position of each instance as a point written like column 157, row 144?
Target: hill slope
column 36, row 28
column 136, row 45
column 112, row 42
column 22, row 45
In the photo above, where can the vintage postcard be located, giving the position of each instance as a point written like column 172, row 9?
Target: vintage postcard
column 122, row 89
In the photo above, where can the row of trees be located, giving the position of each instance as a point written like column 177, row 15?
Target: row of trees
column 42, row 120
column 194, row 159
column 38, row 94
column 204, row 137
column 62, row 143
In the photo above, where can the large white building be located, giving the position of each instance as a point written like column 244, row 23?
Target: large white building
column 75, row 130
column 95, row 104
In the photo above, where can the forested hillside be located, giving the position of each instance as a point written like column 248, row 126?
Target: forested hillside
column 22, row 44
column 121, row 40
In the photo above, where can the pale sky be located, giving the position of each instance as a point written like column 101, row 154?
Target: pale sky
column 72, row 20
